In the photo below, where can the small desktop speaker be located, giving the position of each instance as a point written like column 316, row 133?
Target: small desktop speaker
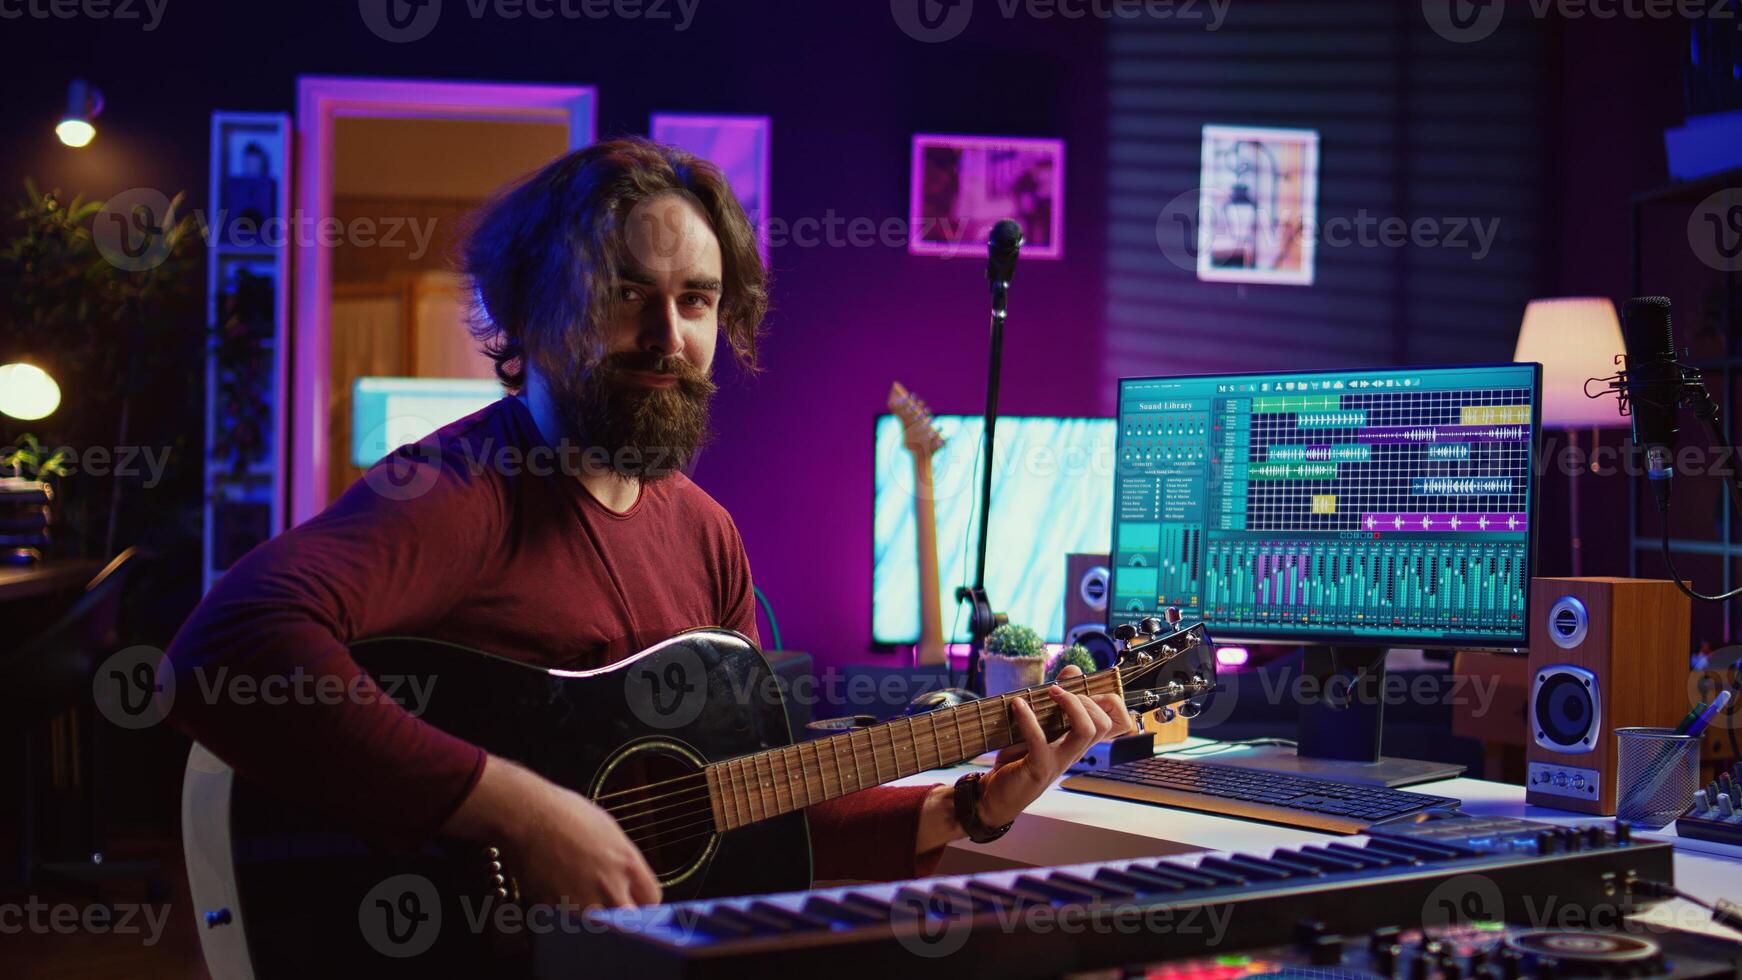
column 1087, row 582
column 1605, row 653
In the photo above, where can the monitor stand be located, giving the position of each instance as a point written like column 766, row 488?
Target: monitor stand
column 1342, row 715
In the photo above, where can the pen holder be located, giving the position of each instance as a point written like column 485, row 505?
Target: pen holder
column 1655, row 776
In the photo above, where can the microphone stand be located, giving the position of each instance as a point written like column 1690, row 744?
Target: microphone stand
column 981, row 619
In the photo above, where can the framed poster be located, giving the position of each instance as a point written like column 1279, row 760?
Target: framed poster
column 1258, row 205
column 738, row 145
column 963, row 185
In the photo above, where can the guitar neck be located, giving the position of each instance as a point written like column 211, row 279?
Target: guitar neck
column 931, row 620
column 767, row 784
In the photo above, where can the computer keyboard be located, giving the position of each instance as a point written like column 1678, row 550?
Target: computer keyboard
column 1284, row 798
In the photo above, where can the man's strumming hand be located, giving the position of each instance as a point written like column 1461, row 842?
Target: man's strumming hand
column 562, row 847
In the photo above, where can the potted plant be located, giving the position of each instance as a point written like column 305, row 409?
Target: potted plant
column 1076, row 654
column 1015, row 658
column 25, row 498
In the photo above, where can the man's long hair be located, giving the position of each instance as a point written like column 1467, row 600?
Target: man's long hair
column 544, row 255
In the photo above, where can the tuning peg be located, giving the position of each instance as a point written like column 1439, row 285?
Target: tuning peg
column 1125, row 632
column 1150, row 626
column 1172, row 616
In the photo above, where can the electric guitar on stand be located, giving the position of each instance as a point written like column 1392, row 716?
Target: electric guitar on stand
column 922, row 439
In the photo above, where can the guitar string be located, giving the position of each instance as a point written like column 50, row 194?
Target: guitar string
column 696, row 793
column 704, row 827
column 1029, row 694
column 702, row 805
column 1046, row 712
column 1128, row 673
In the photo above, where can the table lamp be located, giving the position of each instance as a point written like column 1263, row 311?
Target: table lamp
column 1575, row 338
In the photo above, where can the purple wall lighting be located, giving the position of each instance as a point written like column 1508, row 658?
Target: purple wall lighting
column 738, row 145
column 962, row 185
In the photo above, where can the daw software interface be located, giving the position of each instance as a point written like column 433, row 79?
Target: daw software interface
column 1387, row 506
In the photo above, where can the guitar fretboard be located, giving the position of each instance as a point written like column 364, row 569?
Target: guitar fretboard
column 767, row 784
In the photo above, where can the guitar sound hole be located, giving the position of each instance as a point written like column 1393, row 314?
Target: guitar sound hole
column 660, row 799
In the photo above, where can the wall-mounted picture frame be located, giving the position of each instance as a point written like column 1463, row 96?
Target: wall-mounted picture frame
column 1258, row 191
column 963, row 185
column 738, row 145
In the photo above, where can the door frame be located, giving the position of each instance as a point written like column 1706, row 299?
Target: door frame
column 320, row 100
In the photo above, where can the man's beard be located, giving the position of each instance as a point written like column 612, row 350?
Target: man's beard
column 644, row 432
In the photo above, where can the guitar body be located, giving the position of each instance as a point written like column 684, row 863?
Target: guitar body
column 303, row 898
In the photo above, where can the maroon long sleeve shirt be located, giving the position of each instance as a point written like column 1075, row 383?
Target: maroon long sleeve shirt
column 488, row 543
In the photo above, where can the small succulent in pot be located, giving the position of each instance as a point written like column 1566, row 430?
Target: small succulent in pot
column 1015, row 659
column 1077, row 654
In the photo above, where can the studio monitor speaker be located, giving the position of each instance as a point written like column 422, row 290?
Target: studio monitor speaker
column 1087, row 582
column 1605, row 653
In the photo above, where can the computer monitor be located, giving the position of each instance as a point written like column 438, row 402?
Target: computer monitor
column 1052, row 493
column 387, row 413
column 1349, row 510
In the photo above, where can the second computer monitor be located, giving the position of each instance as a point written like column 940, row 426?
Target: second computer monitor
column 1379, row 507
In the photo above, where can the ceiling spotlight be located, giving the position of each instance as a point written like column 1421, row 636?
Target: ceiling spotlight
column 84, row 104
column 27, row 392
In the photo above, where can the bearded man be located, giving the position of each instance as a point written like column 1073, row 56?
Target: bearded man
column 555, row 527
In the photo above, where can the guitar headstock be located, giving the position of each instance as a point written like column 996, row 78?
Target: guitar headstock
column 1155, row 662
column 918, row 434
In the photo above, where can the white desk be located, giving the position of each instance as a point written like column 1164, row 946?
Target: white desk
column 1062, row 827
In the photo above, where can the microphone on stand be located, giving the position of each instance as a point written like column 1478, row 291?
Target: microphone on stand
column 1653, row 384
column 1002, row 248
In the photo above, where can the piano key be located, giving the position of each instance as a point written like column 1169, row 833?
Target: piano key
column 964, row 899
column 1368, row 859
column 828, row 908
column 720, row 928
column 1221, row 876
column 1188, row 877
column 762, row 922
column 796, row 919
column 734, row 922
column 1241, row 869
column 1294, row 863
column 1003, row 896
column 1376, row 845
column 1143, row 884
column 1058, row 891
column 1325, row 859
column 861, row 902
column 1432, row 850
column 1101, row 889
column 1263, row 867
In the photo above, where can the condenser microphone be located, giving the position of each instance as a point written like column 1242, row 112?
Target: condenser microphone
column 1654, row 383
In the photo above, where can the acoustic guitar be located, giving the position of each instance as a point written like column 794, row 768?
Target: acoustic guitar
column 686, row 744
column 922, row 439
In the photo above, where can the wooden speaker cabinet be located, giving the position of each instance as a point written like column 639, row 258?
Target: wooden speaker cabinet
column 1086, row 593
column 1605, row 653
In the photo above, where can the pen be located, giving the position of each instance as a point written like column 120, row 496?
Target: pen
column 1692, row 716
column 1705, row 719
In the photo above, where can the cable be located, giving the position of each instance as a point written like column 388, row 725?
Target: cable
column 768, row 610
column 1676, row 576
column 1724, row 912
column 1287, row 743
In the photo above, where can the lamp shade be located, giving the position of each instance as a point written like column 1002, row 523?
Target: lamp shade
column 1575, row 338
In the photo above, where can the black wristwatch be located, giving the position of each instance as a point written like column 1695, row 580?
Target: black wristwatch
column 968, row 811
